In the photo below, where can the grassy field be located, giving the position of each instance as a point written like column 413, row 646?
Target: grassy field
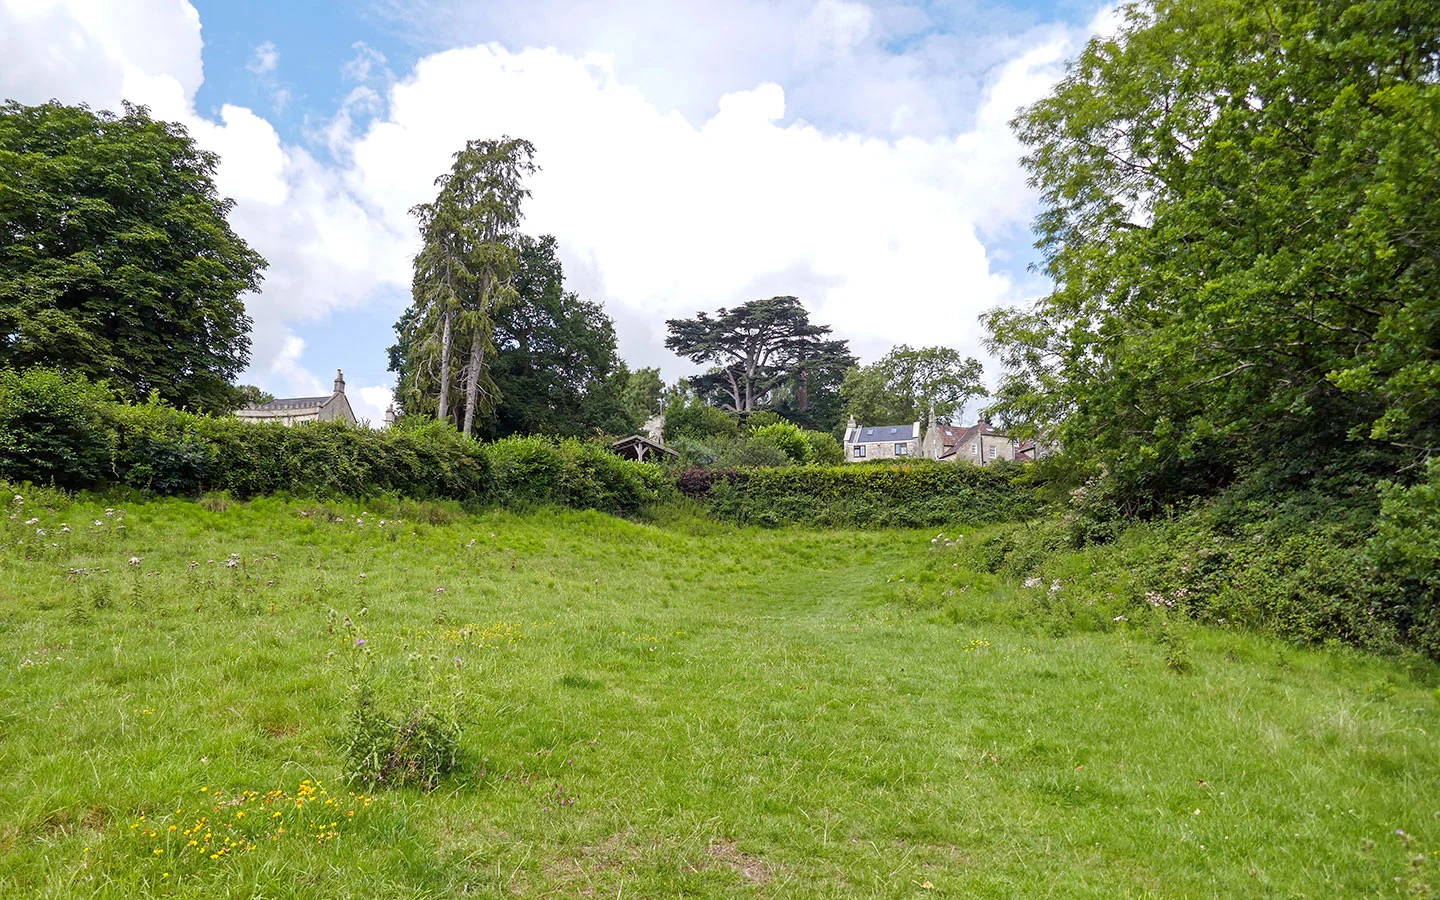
column 660, row 710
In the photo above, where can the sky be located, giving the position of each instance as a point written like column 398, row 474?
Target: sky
column 693, row 154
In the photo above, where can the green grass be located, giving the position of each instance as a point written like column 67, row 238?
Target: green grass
column 652, row 710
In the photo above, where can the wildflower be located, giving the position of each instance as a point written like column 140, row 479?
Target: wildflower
column 1055, row 586
column 1033, row 581
column 134, row 560
column 98, row 523
column 1121, row 619
column 439, row 590
column 31, row 521
column 40, row 531
column 64, row 529
column 359, row 642
column 231, row 563
column 18, row 499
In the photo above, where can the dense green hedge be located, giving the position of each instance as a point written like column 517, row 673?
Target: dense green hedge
column 915, row 494
column 63, row 431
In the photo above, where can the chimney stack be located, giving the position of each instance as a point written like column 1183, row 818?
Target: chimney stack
column 339, row 382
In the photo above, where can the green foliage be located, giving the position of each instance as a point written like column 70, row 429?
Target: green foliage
column 760, row 418
column 695, row 419
column 555, row 368
column 416, row 749
column 906, row 383
column 756, row 348
column 463, row 279
column 753, row 452
column 535, row 471
column 787, row 438
column 825, row 450
column 51, row 429
column 1406, row 547
column 1233, row 197
column 914, row 494
column 118, row 261
column 643, row 394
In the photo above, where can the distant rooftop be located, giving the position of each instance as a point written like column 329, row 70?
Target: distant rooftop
column 880, row 433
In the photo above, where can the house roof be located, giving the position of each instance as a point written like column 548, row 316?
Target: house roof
column 289, row 403
column 628, row 443
column 879, row 434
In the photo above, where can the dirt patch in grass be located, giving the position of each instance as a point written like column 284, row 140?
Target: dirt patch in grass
column 751, row 868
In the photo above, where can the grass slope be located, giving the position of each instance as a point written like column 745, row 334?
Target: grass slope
column 656, row 711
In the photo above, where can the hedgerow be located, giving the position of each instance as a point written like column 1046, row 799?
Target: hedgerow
column 914, row 494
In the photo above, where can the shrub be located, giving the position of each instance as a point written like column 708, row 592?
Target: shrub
column 1406, row 547
column 825, row 450
column 536, row 471
column 51, row 430
column 754, row 452
column 761, row 418
column 786, row 438
column 698, row 419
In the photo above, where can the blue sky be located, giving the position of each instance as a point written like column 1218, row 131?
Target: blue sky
column 694, row 154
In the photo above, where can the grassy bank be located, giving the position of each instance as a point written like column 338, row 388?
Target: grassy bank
column 651, row 710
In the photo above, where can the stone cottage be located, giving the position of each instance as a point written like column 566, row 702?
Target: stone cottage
column 979, row 444
column 295, row 410
column 869, row 442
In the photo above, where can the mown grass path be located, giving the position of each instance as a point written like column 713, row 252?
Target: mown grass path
column 656, row 711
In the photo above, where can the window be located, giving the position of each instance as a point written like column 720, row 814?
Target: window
column 859, row 451
column 902, row 449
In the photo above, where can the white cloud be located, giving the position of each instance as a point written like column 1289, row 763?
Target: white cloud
column 369, row 403
column 264, row 60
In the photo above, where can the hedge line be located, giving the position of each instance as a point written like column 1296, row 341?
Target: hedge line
column 60, row 430
column 912, row 495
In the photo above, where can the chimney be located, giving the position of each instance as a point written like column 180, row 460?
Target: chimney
column 339, row 382
column 850, row 429
column 390, row 416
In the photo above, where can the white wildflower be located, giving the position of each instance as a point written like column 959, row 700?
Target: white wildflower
column 134, row 560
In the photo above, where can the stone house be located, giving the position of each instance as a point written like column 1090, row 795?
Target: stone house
column 864, row 443
column 979, row 444
column 295, row 410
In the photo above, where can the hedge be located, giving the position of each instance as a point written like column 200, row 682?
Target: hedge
column 60, row 430
column 911, row 495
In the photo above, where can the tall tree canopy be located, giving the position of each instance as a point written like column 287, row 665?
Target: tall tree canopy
column 116, row 259
column 755, row 348
column 554, row 368
column 463, row 274
column 1242, row 222
column 903, row 385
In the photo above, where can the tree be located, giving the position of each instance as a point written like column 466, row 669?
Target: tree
column 464, row 269
column 116, row 259
column 554, row 368
column 644, row 394
column 906, row 383
column 1241, row 204
column 754, row 347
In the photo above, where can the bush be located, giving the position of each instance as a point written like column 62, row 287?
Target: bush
column 754, row 452
column 51, row 430
column 697, row 419
column 1406, row 547
column 786, row 438
column 536, row 471
column 760, row 418
column 825, row 450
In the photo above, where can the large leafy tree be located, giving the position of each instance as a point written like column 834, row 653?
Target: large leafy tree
column 463, row 274
column 116, row 259
column 755, row 348
column 554, row 367
column 1241, row 219
column 906, row 383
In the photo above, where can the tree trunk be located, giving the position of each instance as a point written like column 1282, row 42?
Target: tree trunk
column 803, row 394
column 443, row 413
column 472, row 378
